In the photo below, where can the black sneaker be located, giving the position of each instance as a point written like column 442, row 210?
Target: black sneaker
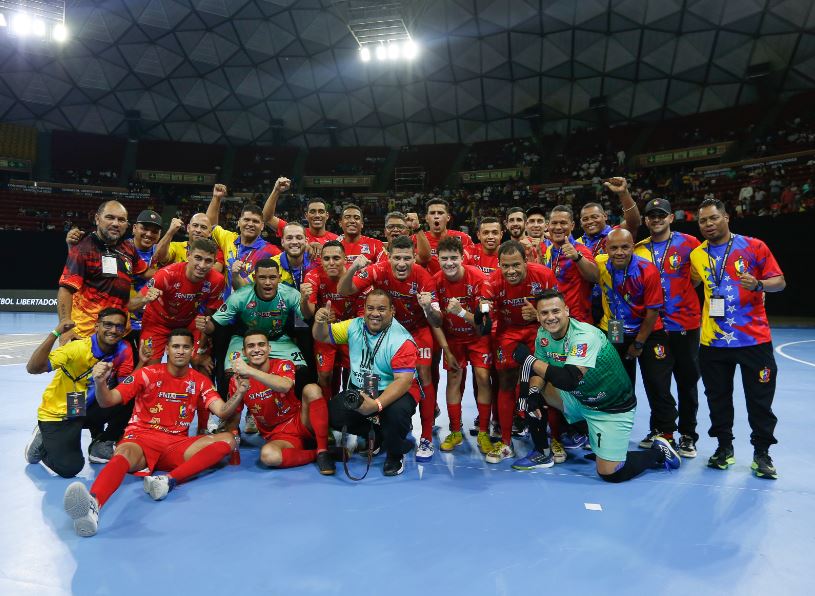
column 687, row 446
column 101, row 452
column 649, row 439
column 519, row 428
column 763, row 465
column 723, row 458
column 394, row 465
column 325, row 463
column 476, row 427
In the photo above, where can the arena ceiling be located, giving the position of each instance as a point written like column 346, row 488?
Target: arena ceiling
column 230, row 71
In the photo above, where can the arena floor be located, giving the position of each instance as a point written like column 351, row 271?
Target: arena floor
column 455, row 524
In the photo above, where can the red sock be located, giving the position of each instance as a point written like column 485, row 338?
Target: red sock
column 296, row 457
column 110, row 478
column 506, row 409
column 555, row 420
column 454, row 412
column 484, row 417
column 206, row 458
column 427, row 411
column 318, row 416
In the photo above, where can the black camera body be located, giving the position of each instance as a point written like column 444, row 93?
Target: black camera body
column 351, row 398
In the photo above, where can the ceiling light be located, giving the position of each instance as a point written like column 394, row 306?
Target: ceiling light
column 381, row 53
column 21, row 24
column 393, row 51
column 410, row 50
column 364, row 54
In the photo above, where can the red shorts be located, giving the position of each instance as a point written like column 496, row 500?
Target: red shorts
column 292, row 431
column 159, row 333
column 476, row 351
column 507, row 340
column 331, row 356
column 162, row 451
column 424, row 342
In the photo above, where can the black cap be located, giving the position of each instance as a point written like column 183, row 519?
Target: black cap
column 149, row 217
column 658, row 205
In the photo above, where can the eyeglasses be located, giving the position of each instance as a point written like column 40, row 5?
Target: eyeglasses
column 395, row 227
column 107, row 325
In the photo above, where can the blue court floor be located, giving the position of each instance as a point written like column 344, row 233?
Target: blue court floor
column 454, row 525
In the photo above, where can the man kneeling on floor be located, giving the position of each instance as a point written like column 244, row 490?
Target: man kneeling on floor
column 579, row 372
column 285, row 425
column 157, row 438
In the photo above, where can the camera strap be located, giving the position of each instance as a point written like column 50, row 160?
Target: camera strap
column 368, row 358
column 371, row 440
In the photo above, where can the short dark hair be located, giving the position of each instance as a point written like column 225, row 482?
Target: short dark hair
column 379, row 292
column 437, row 201
column 180, row 332
column 548, row 294
column 333, row 244
column 512, row 210
column 511, row 246
column 252, row 208
column 488, row 220
column 450, row 243
column 352, row 206
column 310, row 202
column 205, row 245
column 590, row 205
column 402, row 242
column 395, row 215
column 267, row 263
column 110, row 310
column 562, row 209
column 254, row 331
column 535, row 211
column 720, row 206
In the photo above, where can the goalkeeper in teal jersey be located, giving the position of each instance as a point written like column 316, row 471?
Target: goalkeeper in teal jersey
column 576, row 370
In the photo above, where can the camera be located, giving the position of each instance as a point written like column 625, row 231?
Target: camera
column 351, row 398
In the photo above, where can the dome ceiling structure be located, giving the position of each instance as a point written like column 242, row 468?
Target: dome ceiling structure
column 233, row 71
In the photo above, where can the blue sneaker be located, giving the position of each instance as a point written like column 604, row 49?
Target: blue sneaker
column 425, row 451
column 533, row 460
column 573, row 440
column 672, row 460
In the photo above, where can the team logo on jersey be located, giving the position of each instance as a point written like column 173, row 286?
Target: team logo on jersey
column 364, row 249
column 320, row 359
column 740, row 265
column 659, row 351
column 362, row 274
column 206, row 287
column 128, row 380
column 234, row 355
column 499, row 354
column 674, row 261
column 151, row 282
column 544, row 342
column 287, row 366
column 414, row 287
column 281, row 407
column 182, row 411
column 579, row 350
column 252, row 304
column 535, row 288
column 128, row 266
column 190, row 387
column 764, row 375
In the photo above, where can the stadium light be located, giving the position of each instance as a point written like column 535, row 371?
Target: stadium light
column 410, row 50
column 381, row 53
column 3, row 22
column 365, row 54
column 21, row 24
column 393, row 51
column 39, row 28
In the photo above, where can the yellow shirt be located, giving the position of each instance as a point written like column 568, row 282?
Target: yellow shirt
column 76, row 357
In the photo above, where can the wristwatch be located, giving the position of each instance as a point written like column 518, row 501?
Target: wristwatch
column 638, row 345
column 759, row 286
column 578, row 258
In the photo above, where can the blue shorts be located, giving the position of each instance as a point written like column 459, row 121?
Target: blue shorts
column 609, row 433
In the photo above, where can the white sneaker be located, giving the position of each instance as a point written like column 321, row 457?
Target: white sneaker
column 499, row 453
column 33, row 450
column 83, row 508
column 158, row 486
column 425, row 451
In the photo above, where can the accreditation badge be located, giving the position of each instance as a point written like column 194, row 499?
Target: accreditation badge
column 716, row 306
column 109, row 266
column 75, row 404
column 616, row 331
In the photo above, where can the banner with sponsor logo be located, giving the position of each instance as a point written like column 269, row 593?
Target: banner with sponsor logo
column 501, row 175
column 699, row 153
column 338, row 181
column 175, row 177
column 28, row 301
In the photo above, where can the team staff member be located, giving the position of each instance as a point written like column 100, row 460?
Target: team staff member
column 381, row 346
column 199, row 228
column 582, row 376
column 511, row 290
column 736, row 271
column 593, row 220
column 484, row 255
column 395, row 226
column 287, row 426
column 670, row 252
column 98, row 273
column 459, row 287
column 414, row 296
column 244, row 249
column 353, row 242
column 166, row 397
column 632, row 300
column 69, row 403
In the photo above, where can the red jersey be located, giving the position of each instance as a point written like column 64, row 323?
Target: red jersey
column 370, row 247
column 508, row 300
column 324, row 289
column 477, row 257
column 403, row 293
column 181, row 299
column 433, row 264
column 163, row 402
column 269, row 407
column 467, row 291
column 575, row 288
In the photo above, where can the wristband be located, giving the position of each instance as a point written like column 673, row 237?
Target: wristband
column 578, row 258
column 57, row 334
column 638, row 345
column 378, row 403
column 759, row 286
column 461, row 313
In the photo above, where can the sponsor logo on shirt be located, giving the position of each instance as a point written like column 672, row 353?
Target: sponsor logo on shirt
column 544, row 342
column 740, row 265
column 191, row 387
column 675, row 261
column 252, row 304
column 128, row 380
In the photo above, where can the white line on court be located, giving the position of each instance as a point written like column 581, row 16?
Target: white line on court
column 780, row 350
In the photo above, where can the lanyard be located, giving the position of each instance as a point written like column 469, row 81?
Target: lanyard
column 661, row 264
column 617, row 295
column 76, row 379
column 718, row 274
column 368, row 359
column 557, row 261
